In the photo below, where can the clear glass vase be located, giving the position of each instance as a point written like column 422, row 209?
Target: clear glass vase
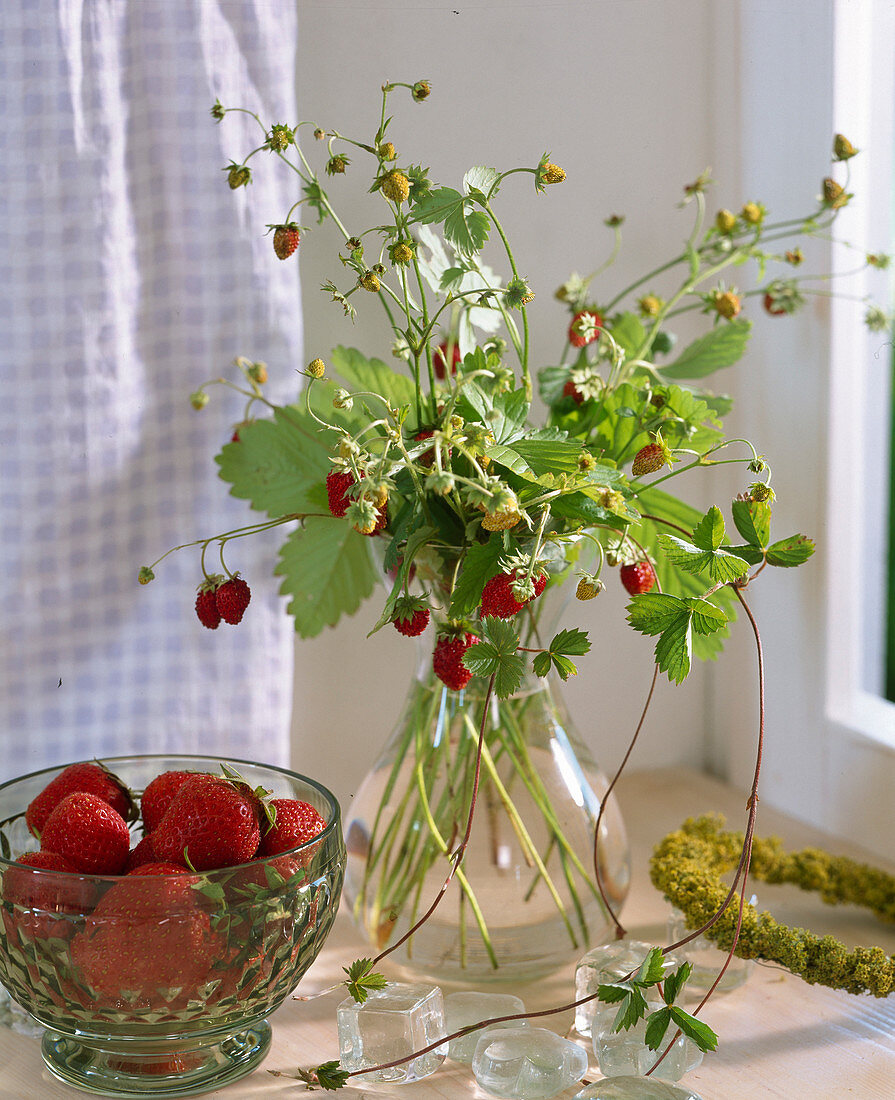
column 524, row 901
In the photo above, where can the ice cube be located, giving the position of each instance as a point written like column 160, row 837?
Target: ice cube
column 391, row 1024
column 470, row 1007
column 707, row 959
column 635, row 1088
column 624, row 1053
column 527, row 1063
column 609, row 963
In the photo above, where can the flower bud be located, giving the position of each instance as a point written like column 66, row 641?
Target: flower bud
column 440, row 483
column 843, row 148
column 258, row 373
column 753, row 213
column 650, row 304
column 387, row 151
column 199, row 399
column 421, row 90
column 319, row 133
column 518, row 293
column 834, row 194
column 725, row 222
column 337, row 164
column 145, row 575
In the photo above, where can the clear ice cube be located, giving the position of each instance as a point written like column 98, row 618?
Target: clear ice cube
column 635, row 1088
column 609, row 963
column 624, row 1053
column 707, row 959
column 527, row 1063
column 391, row 1024
column 471, row 1007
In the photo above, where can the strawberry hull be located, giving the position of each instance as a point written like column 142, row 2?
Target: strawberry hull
column 146, row 980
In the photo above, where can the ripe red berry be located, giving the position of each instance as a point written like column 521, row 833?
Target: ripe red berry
column 45, row 896
column 571, row 390
column 648, row 459
column 211, row 822
column 338, row 482
column 88, row 833
column 774, row 306
column 88, row 776
column 412, row 625
column 498, row 599
column 638, row 578
column 285, row 240
column 440, row 358
column 140, row 855
column 296, row 823
column 580, row 333
column 207, row 609
column 232, row 598
column 447, row 660
column 158, row 796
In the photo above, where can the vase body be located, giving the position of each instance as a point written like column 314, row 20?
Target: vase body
column 524, row 901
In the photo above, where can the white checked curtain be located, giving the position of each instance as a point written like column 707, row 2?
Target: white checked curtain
column 131, row 274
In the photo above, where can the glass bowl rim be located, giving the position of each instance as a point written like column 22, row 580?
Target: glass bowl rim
column 334, row 825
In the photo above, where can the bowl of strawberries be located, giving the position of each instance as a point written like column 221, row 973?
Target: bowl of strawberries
column 154, row 910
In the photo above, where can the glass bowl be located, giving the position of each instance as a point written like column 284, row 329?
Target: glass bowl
column 166, row 994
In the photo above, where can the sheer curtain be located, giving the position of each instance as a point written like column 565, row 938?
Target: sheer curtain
column 132, row 275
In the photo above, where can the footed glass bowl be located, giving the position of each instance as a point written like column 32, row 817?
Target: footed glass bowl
column 164, row 989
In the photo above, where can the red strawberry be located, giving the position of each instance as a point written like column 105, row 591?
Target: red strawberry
column 447, row 660
column 90, row 777
column 571, row 390
column 232, row 598
column 146, row 937
column 211, row 822
column 88, row 833
column 338, row 482
column 285, row 240
column 207, row 609
column 158, row 795
column 155, row 867
column 498, row 599
column 412, row 625
column 648, row 459
column 140, row 855
column 45, row 895
column 580, row 326
column 440, row 358
column 296, row 823
column 774, row 306
column 427, row 457
column 638, row 578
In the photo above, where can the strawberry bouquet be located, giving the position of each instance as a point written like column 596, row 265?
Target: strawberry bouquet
column 433, row 481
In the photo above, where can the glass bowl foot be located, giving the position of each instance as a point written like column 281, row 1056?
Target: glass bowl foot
column 127, row 1069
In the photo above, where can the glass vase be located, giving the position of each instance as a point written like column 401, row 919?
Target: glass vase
column 524, row 902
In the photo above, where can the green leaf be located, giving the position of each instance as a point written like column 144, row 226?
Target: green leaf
column 547, row 456
column 791, row 551
column 361, row 979
column 481, row 179
column 508, row 418
column 510, row 459
column 753, row 521
column 720, row 347
column 480, row 564
column 656, row 1026
column 709, row 532
column 673, row 649
column 374, row 376
column 610, row 993
column 707, row 619
column 751, row 554
column 701, row 1034
column 651, row 969
column 631, row 1011
column 572, row 642
column 563, row 666
column 541, row 664
column 674, row 983
column 330, row 1076
column 721, row 566
column 655, row 612
column 326, row 569
column 437, row 205
column 551, row 381
column 497, row 654
column 628, row 332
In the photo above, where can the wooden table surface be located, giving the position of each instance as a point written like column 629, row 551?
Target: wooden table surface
column 779, row 1037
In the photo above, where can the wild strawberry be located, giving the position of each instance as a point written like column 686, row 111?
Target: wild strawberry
column 158, row 795
column 296, row 823
column 588, row 588
column 585, row 328
column 211, row 823
column 207, row 608
column 652, row 457
column 571, row 390
column 90, row 777
column 498, row 599
column 447, row 660
column 338, row 482
column 140, row 855
column 638, row 578
column 427, row 458
column 238, row 175
column 726, row 304
column 147, row 937
column 501, row 521
column 232, row 598
column 88, row 833
column 440, row 358
column 411, row 616
column 285, row 240
column 45, row 895
column 395, row 186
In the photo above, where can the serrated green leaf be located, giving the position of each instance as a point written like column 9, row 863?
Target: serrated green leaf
column 510, row 459
column 330, row 1076
column 656, row 1026
column 551, row 455
column 651, row 969
column 709, row 532
column 673, row 649
column 790, row 552
column 721, row 566
column 631, row 1011
column 572, row 642
column 707, row 619
column 326, row 569
column 541, row 664
column 701, row 1034
column 611, row 993
column 480, row 564
column 507, row 419
column 674, row 983
column 551, row 381
column 437, row 205
column 654, row 612
column 563, row 666
column 481, row 179
column 497, row 654
column 752, row 519
column 750, row 554
column 720, row 347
